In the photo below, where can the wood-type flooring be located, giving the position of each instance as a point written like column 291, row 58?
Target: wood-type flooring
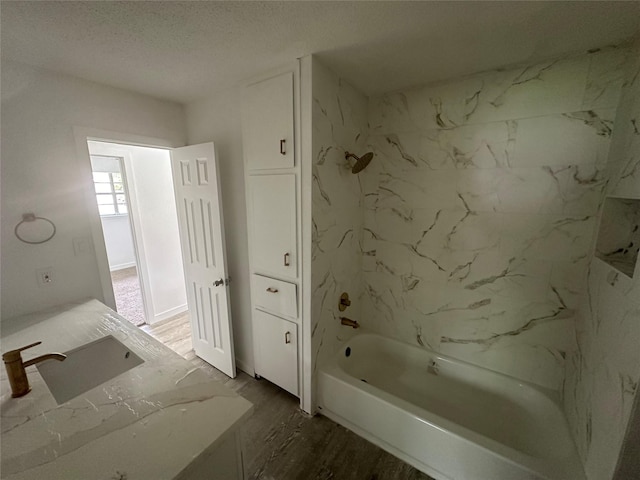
column 280, row 442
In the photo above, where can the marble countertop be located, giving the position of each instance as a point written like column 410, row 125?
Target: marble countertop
column 156, row 421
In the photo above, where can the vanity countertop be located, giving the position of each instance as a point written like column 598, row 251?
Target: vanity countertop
column 155, row 421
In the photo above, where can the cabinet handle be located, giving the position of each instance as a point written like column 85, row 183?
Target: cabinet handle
column 282, row 147
column 287, row 337
column 272, row 290
column 286, row 260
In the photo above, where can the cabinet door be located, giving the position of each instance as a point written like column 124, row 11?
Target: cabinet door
column 276, row 350
column 273, row 223
column 268, row 123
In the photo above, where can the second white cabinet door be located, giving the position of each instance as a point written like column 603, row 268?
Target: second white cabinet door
column 267, row 121
column 276, row 345
column 273, row 212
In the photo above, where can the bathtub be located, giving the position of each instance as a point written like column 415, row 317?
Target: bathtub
column 450, row 419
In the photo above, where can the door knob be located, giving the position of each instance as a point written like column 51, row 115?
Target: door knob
column 217, row 283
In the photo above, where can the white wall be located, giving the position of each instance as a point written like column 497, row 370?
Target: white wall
column 41, row 173
column 151, row 187
column 118, row 241
column 217, row 119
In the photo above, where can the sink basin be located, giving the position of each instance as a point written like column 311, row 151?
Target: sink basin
column 87, row 367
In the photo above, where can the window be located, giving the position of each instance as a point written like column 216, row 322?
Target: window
column 109, row 186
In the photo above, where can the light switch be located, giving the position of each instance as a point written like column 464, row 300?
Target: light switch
column 82, row 246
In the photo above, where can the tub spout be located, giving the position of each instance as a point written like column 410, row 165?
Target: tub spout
column 348, row 322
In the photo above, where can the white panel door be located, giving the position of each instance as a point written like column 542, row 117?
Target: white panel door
column 273, row 222
column 268, row 123
column 276, row 345
column 197, row 187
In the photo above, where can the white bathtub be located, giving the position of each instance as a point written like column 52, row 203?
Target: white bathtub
column 450, row 419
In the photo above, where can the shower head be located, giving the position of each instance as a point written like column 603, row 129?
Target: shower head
column 361, row 162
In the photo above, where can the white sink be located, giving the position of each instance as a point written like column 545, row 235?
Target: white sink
column 87, row 367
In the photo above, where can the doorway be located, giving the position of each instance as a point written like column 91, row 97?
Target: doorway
column 113, row 207
column 192, row 182
column 136, row 203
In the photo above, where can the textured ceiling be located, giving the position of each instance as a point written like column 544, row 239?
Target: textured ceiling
column 184, row 50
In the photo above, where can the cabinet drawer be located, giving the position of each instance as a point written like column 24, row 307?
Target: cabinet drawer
column 276, row 350
column 275, row 295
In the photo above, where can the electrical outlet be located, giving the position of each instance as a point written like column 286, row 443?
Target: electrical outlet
column 45, row 276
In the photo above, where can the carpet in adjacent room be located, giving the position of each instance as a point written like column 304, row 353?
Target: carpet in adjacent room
column 126, row 288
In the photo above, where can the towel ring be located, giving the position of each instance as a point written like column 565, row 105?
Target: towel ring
column 31, row 217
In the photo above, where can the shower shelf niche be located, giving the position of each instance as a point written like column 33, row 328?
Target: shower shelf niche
column 619, row 234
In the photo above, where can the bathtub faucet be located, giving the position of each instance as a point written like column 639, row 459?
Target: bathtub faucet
column 348, row 322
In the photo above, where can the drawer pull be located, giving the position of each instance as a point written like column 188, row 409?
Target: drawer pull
column 272, row 290
column 287, row 337
column 286, row 260
column 282, row 147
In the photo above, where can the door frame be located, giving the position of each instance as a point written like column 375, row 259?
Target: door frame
column 82, row 136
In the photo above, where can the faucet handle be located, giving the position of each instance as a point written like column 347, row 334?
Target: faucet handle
column 13, row 355
column 344, row 302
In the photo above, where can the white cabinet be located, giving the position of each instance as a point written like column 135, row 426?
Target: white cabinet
column 276, row 354
column 273, row 225
column 268, row 119
column 270, row 137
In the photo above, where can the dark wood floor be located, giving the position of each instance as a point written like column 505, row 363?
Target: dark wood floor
column 280, row 441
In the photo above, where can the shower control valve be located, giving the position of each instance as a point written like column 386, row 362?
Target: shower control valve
column 344, row 302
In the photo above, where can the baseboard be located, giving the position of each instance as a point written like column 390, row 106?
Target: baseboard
column 121, row 266
column 169, row 313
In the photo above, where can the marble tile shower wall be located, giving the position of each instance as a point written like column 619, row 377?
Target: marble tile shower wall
column 618, row 241
column 339, row 117
column 604, row 371
column 480, row 209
